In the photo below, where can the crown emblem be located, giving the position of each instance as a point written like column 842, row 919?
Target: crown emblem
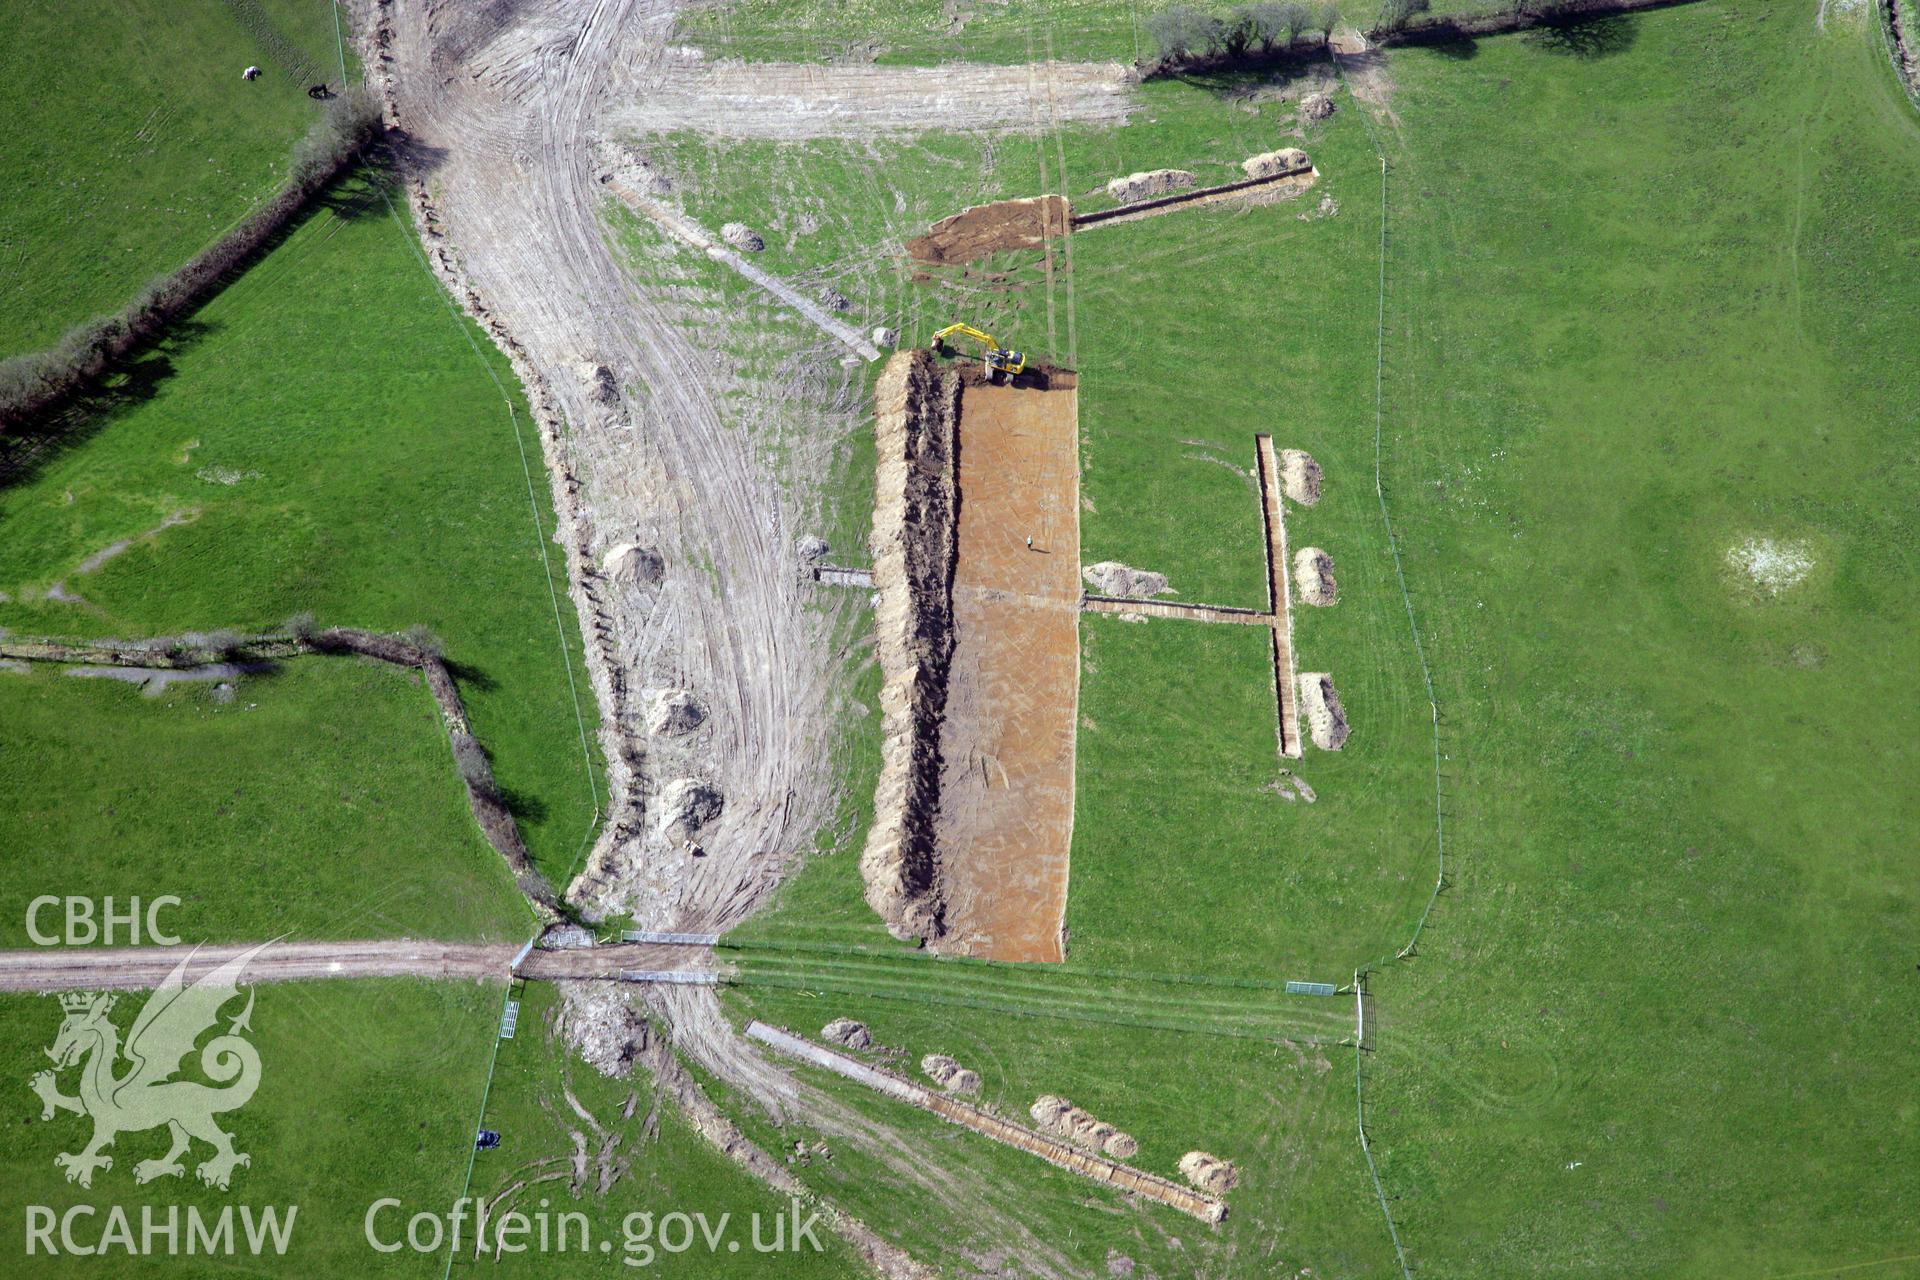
column 80, row 1001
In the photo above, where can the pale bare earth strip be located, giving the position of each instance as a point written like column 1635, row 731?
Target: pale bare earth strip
column 801, row 100
column 1279, row 596
column 691, row 233
column 1174, row 609
column 136, row 968
column 506, row 106
column 621, row 962
column 1054, row 1151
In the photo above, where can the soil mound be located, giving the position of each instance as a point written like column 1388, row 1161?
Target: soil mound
column 742, row 237
column 1300, row 476
column 597, row 1019
column 602, row 387
column 1151, row 183
column 673, row 712
column 1111, row 578
column 1064, row 1120
column 950, row 1075
column 686, row 805
column 1313, row 570
column 854, row 1035
column 992, row 228
column 1326, row 720
column 914, row 548
column 632, row 565
column 1209, row 1173
column 1316, row 106
column 1271, row 164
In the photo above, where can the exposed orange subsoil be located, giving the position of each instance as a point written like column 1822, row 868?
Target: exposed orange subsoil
column 1006, row 807
column 992, row 228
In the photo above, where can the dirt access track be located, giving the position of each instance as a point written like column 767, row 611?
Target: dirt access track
column 138, row 968
column 977, row 563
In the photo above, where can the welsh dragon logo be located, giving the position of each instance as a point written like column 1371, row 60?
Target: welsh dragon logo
column 146, row 1094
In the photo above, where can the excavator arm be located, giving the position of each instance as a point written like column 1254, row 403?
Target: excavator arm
column 998, row 359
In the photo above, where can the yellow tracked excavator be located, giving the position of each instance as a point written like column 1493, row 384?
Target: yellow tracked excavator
column 998, row 359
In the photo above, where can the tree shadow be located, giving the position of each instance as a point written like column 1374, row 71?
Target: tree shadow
column 29, row 447
column 1457, row 47
column 468, row 676
column 408, row 156
column 1586, row 38
column 524, row 806
column 355, row 196
column 1275, row 71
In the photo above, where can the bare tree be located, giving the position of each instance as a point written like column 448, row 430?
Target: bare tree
column 1325, row 19
column 1273, row 23
column 1395, row 14
column 1183, row 31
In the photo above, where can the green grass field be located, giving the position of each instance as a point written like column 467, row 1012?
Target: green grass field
column 133, row 142
column 1283, row 1113
column 367, row 1089
column 1642, row 305
column 357, row 828
column 329, row 441
column 1185, row 862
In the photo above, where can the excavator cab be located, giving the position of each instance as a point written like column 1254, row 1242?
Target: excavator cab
column 997, row 359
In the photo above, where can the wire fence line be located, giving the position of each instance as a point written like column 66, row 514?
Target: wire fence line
column 486, row 1095
column 1045, row 969
column 1426, row 678
column 546, row 563
column 540, row 540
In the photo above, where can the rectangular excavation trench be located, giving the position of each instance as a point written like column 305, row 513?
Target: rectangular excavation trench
column 977, row 569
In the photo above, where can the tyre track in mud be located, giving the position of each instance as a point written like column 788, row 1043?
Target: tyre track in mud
column 499, row 109
column 515, row 184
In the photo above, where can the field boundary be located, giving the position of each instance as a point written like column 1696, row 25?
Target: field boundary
column 1426, row 678
column 484, row 800
column 38, row 382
